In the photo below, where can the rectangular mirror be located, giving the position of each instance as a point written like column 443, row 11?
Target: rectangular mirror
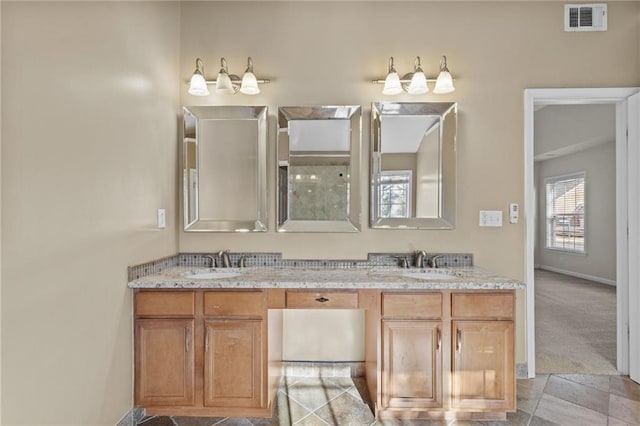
column 413, row 165
column 225, row 168
column 319, row 169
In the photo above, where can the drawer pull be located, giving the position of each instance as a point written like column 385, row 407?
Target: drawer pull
column 439, row 341
column 187, row 335
column 322, row 299
column 206, row 341
column 459, row 340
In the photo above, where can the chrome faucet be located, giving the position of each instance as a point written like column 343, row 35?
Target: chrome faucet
column 212, row 261
column 224, row 256
column 420, row 259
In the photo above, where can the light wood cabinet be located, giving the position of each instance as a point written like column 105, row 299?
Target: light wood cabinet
column 411, row 364
column 216, row 363
column 436, row 354
column 483, row 366
column 445, row 354
column 234, row 364
column 164, row 362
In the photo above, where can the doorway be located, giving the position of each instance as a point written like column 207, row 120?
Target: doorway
column 575, row 238
column 627, row 207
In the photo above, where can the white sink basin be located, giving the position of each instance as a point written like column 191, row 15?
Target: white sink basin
column 211, row 275
column 429, row 275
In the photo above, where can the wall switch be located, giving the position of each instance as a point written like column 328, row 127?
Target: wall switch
column 491, row 218
column 162, row 218
column 514, row 213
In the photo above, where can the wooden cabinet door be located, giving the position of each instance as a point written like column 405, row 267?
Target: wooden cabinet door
column 483, row 365
column 233, row 363
column 164, row 362
column 411, row 364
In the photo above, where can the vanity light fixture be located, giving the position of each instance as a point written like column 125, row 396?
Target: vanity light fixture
column 198, row 85
column 444, row 82
column 249, row 82
column 418, row 83
column 415, row 83
column 392, row 84
column 225, row 83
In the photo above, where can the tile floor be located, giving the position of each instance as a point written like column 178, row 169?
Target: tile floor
column 547, row 400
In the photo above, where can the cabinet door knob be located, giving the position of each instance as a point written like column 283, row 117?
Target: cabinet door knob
column 322, row 299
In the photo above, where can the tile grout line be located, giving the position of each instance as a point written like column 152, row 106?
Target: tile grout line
column 313, row 411
column 314, row 415
column 533, row 413
column 561, row 376
column 309, row 409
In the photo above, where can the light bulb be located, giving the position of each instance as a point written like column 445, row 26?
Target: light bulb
column 198, row 84
column 392, row 84
column 249, row 84
column 418, row 84
column 444, row 82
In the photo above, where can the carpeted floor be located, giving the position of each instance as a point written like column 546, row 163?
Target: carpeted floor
column 575, row 325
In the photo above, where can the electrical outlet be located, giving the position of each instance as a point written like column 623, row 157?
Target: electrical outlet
column 492, row 218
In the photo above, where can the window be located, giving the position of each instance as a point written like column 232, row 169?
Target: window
column 394, row 193
column 565, row 212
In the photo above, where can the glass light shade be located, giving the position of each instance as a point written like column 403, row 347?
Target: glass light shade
column 418, row 84
column 223, row 84
column 392, row 84
column 444, row 83
column 198, row 85
column 249, row 84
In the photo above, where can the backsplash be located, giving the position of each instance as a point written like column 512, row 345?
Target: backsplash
column 275, row 260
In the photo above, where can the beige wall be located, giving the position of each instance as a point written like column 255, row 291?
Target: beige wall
column 326, row 53
column 89, row 106
column 599, row 163
column 89, row 147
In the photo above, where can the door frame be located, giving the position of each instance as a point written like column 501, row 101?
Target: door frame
column 580, row 96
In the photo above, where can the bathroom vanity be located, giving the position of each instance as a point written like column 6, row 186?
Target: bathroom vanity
column 438, row 343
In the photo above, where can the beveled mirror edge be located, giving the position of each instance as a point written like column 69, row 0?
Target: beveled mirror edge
column 258, row 113
column 411, row 108
column 353, row 113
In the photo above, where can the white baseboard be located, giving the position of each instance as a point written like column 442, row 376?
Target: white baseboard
column 577, row 275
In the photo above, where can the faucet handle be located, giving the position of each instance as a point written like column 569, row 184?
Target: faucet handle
column 403, row 261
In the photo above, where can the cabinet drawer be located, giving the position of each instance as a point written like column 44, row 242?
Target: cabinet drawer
column 412, row 305
column 482, row 305
column 234, row 303
column 323, row 300
column 165, row 304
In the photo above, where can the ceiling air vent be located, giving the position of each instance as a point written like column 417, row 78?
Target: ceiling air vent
column 585, row 17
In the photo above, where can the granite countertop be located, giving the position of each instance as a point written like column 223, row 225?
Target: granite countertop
column 471, row 278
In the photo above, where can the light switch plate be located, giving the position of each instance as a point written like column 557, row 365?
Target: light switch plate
column 162, row 218
column 491, row 218
column 514, row 213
